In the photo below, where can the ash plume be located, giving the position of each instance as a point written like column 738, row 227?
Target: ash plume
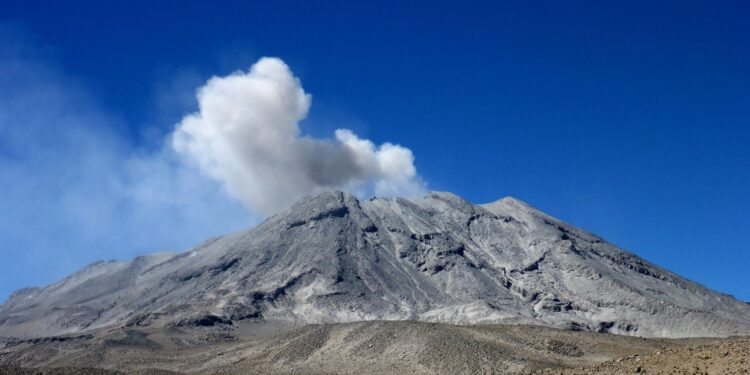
column 246, row 135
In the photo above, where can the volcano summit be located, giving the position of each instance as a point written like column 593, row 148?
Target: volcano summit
column 334, row 258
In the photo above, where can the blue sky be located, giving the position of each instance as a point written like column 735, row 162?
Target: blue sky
column 630, row 119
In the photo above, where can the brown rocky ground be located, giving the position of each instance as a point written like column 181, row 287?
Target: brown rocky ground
column 730, row 356
column 13, row 370
column 370, row 348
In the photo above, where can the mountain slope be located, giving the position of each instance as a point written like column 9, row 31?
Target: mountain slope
column 334, row 258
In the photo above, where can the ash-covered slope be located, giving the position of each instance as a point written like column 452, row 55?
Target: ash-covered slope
column 334, row 258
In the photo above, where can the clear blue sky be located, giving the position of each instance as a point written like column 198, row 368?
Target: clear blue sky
column 630, row 119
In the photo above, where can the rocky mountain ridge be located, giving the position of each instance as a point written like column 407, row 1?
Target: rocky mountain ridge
column 334, row 258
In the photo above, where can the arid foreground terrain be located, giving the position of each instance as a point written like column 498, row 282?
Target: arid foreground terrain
column 370, row 348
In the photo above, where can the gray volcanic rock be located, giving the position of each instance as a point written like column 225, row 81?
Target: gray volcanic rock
column 333, row 258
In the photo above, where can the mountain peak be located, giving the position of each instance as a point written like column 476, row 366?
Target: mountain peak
column 324, row 204
column 333, row 258
column 510, row 201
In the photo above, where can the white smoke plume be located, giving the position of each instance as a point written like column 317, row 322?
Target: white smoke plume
column 246, row 134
